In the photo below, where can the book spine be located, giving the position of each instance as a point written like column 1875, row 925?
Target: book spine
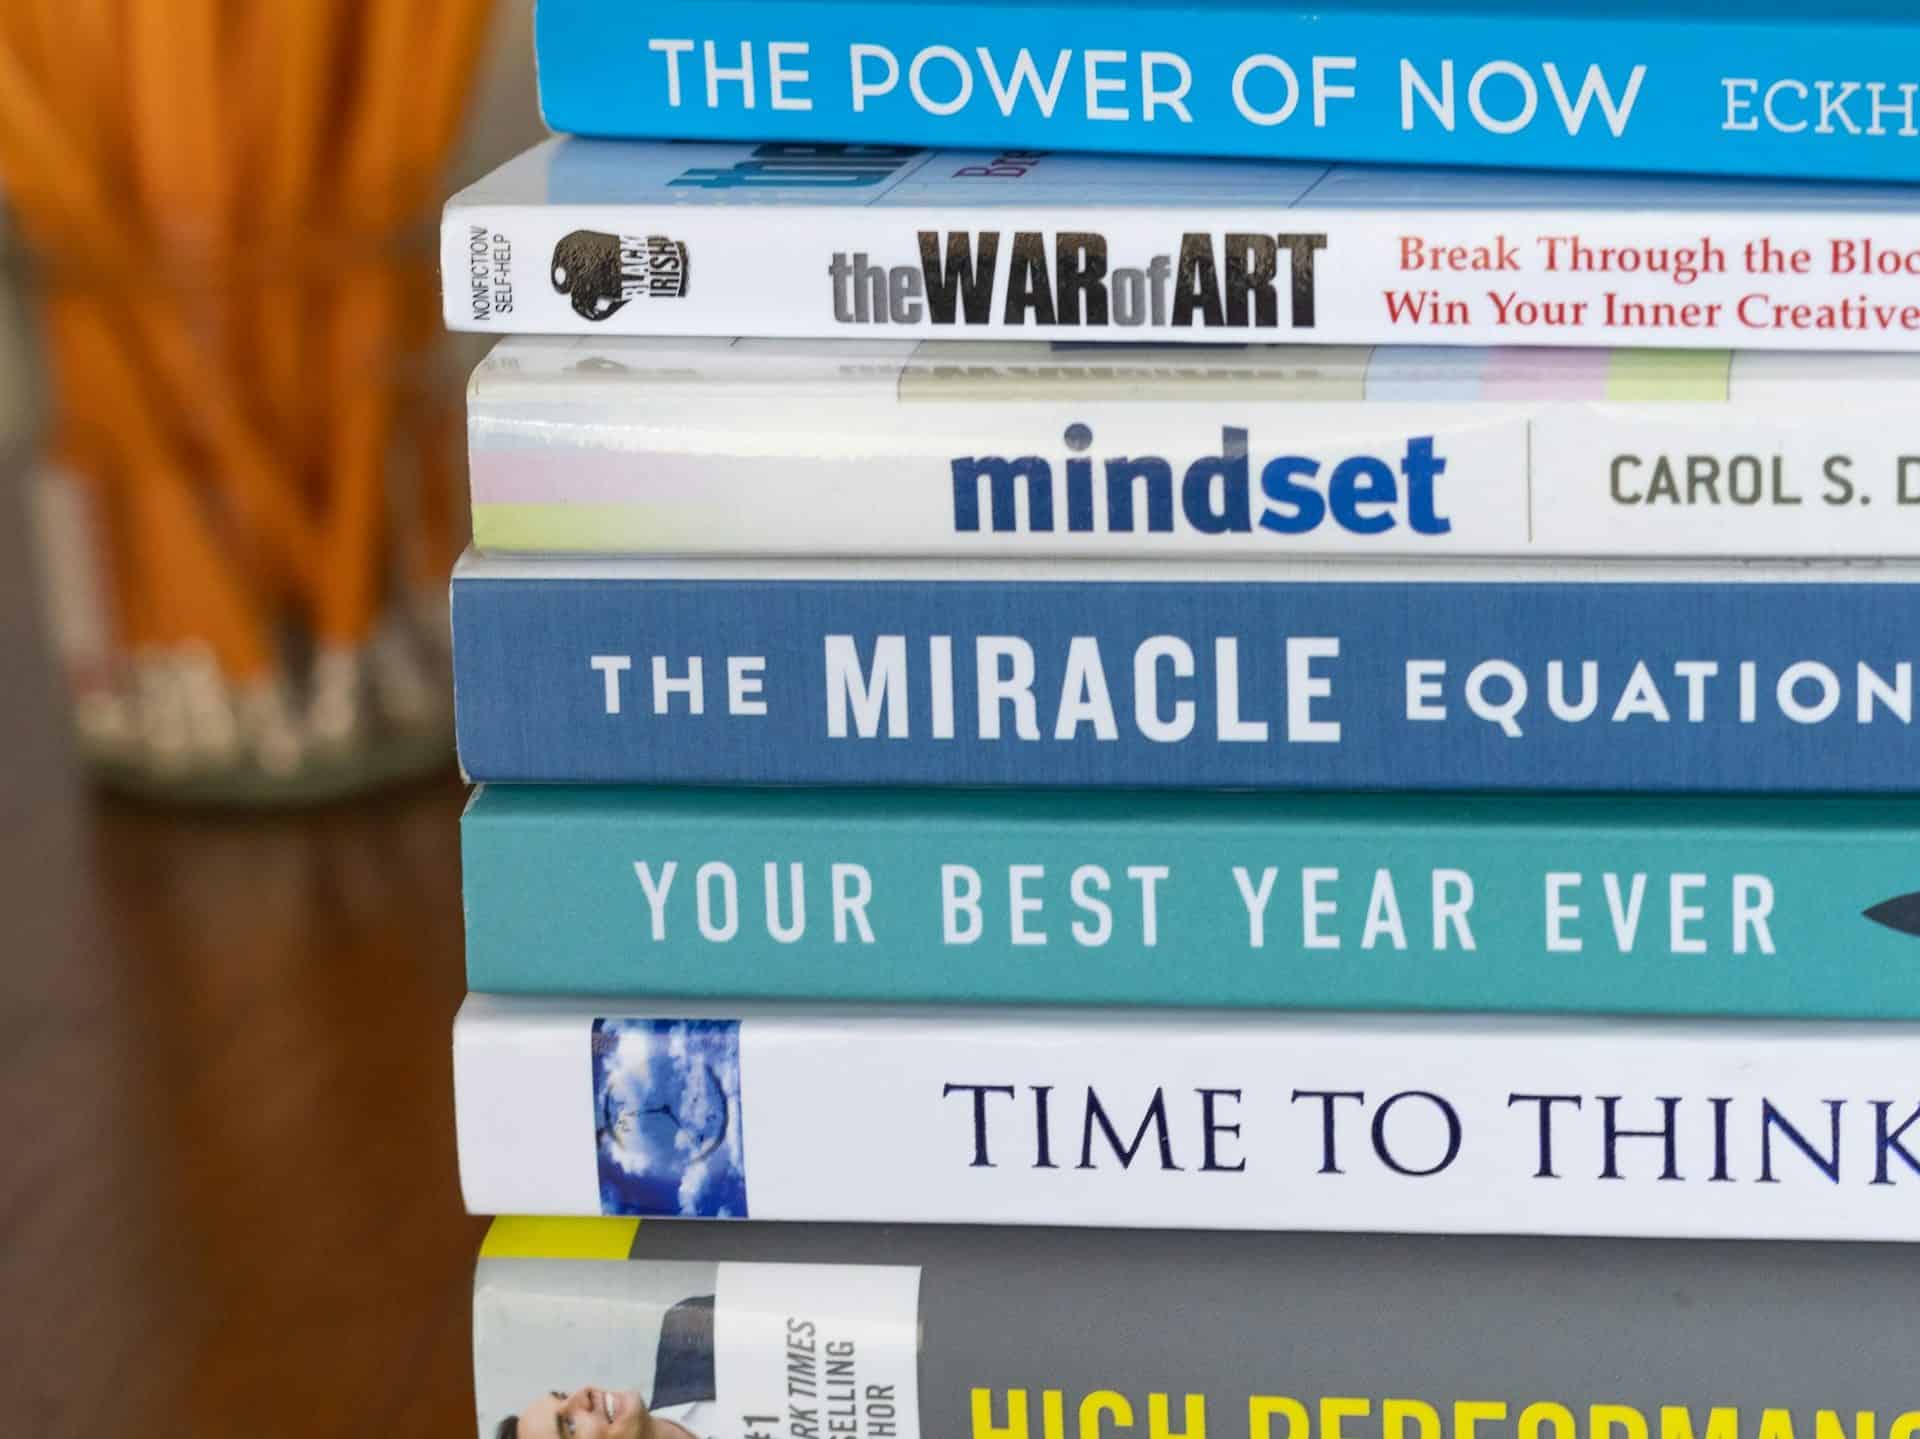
column 772, row 1347
column 1627, row 453
column 1538, row 276
column 1568, row 910
column 1034, row 1334
column 1731, row 686
column 1722, row 1129
column 1632, row 91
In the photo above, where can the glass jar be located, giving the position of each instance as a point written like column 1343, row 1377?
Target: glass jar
column 249, row 494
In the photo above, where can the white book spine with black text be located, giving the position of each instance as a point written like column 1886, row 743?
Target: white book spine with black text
column 592, row 237
column 1193, row 1120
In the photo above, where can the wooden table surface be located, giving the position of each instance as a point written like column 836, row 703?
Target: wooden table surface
column 228, row 1204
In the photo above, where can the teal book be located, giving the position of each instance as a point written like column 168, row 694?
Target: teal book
column 1539, row 903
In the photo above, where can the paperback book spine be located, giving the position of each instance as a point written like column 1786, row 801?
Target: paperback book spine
column 1045, row 1333
column 1193, row 1119
column 1665, row 275
column 1564, row 89
column 1024, row 451
column 1230, row 900
column 1744, row 679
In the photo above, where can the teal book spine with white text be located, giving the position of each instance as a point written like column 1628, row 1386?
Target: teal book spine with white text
column 1734, row 907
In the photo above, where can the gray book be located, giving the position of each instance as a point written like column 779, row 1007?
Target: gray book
column 613, row 1329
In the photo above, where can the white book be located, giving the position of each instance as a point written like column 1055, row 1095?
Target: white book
column 1192, row 1120
column 933, row 448
column 890, row 242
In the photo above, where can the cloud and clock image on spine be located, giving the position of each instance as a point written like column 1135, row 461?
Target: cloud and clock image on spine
column 667, row 1117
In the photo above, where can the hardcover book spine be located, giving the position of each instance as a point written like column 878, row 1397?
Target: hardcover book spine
column 1537, row 276
column 1241, row 903
column 1042, row 1333
column 1488, row 452
column 1636, row 90
column 725, row 675
column 1706, row 1129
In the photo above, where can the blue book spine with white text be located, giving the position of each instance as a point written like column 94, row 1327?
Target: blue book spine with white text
column 1759, row 678
column 1696, row 86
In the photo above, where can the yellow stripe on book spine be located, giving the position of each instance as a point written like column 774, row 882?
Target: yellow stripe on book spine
column 1691, row 377
column 587, row 528
column 519, row 1236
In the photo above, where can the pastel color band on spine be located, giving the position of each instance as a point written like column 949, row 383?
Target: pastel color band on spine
column 1520, row 375
column 1426, row 374
column 1679, row 376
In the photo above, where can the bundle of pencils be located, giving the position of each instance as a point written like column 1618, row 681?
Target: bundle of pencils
column 226, row 202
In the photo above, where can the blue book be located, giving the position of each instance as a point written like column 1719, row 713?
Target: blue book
column 1376, row 902
column 1688, row 86
column 1447, row 676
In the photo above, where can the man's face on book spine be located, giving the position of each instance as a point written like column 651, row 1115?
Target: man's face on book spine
column 589, row 1413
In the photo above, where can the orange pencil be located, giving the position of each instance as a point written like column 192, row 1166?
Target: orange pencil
column 457, row 35
column 304, row 36
column 361, row 360
column 79, row 44
column 88, row 454
column 181, row 166
column 173, row 79
column 39, row 162
column 184, row 571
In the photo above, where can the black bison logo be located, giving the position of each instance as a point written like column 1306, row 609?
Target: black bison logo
column 601, row 272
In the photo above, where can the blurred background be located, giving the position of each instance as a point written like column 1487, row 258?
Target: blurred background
column 502, row 117
column 229, row 876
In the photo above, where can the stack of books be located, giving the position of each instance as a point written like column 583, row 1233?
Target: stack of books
column 1257, row 796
